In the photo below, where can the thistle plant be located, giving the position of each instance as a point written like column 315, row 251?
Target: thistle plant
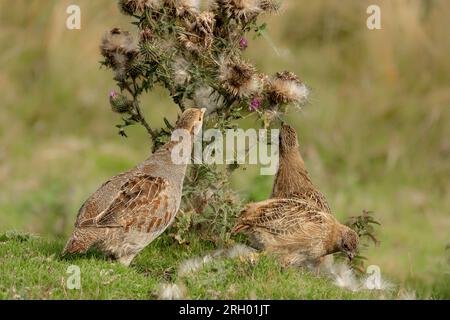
column 194, row 49
column 364, row 226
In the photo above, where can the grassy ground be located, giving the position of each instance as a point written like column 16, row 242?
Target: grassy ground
column 375, row 136
column 32, row 269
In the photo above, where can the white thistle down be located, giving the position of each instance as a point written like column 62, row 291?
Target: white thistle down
column 287, row 89
column 181, row 71
column 407, row 295
column 240, row 79
column 344, row 277
column 171, row 291
column 206, row 97
column 194, row 265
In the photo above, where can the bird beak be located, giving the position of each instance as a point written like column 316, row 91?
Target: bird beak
column 203, row 110
column 351, row 256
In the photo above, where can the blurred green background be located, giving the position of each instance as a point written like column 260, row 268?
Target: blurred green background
column 375, row 135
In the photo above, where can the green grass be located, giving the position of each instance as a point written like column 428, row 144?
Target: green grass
column 375, row 136
column 31, row 268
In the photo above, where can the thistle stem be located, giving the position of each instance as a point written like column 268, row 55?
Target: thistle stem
column 139, row 116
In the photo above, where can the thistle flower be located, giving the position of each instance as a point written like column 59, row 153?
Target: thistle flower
column 286, row 88
column 243, row 43
column 255, row 104
column 119, row 103
column 240, row 79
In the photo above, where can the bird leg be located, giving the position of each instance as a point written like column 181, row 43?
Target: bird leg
column 126, row 260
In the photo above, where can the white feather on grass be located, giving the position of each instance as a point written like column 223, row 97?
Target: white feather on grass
column 171, row 291
column 407, row 295
column 344, row 277
column 196, row 264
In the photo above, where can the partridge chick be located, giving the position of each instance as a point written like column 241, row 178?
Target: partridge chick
column 292, row 179
column 296, row 231
column 133, row 208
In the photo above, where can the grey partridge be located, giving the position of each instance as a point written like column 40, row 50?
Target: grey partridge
column 133, row 208
column 296, row 231
column 292, row 179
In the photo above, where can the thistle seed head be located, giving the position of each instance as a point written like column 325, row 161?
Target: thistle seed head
column 132, row 7
column 286, row 88
column 240, row 79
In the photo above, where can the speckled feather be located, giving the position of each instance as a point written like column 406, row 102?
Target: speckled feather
column 292, row 179
column 133, row 208
column 294, row 229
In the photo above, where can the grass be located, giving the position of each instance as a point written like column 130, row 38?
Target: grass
column 375, row 136
column 31, row 268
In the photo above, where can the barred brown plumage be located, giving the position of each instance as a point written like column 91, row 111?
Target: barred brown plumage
column 133, row 208
column 292, row 179
column 296, row 231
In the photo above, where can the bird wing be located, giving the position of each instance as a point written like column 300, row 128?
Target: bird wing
column 283, row 216
column 315, row 196
column 142, row 201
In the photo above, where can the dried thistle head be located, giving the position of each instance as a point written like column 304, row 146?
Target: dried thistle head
column 197, row 35
column 117, row 40
column 184, row 8
column 286, row 88
column 241, row 10
column 240, row 79
column 119, row 50
column 205, row 22
column 132, row 7
column 270, row 6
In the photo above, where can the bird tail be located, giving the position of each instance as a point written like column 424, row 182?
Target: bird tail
column 80, row 241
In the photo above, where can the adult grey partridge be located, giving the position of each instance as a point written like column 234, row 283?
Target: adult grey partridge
column 133, row 208
column 296, row 231
column 292, row 179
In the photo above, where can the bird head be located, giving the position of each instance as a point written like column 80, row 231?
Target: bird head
column 191, row 120
column 288, row 138
column 349, row 243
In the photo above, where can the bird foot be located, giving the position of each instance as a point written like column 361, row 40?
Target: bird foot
column 126, row 260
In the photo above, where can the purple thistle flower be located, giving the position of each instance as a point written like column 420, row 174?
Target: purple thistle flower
column 255, row 104
column 113, row 94
column 243, row 43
